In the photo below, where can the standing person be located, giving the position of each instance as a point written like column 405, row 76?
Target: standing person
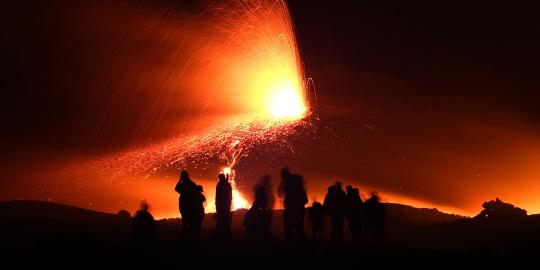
column 376, row 219
column 263, row 193
column 334, row 203
column 354, row 213
column 198, row 217
column 258, row 219
column 264, row 199
column 291, row 188
column 187, row 203
column 316, row 220
column 223, row 207
column 144, row 225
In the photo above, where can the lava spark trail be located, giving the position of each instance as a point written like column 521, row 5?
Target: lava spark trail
column 216, row 144
column 224, row 144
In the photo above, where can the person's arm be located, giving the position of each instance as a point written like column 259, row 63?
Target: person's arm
column 281, row 188
column 326, row 201
column 218, row 189
column 229, row 192
column 178, row 187
column 153, row 223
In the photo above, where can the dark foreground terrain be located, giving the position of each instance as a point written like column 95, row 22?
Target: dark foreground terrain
column 51, row 234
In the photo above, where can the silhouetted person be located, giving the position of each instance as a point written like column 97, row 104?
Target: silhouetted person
column 144, row 225
column 253, row 223
column 199, row 212
column 263, row 193
column 124, row 214
column 265, row 201
column 258, row 219
column 316, row 221
column 375, row 218
column 291, row 188
column 223, row 207
column 188, row 204
column 353, row 213
column 335, row 203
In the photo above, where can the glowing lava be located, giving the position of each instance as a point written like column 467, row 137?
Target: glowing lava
column 253, row 62
column 239, row 201
column 286, row 103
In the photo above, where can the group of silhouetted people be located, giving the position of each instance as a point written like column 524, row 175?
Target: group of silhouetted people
column 191, row 204
column 366, row 220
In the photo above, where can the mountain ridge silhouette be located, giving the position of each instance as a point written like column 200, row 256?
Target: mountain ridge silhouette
column 35, row 226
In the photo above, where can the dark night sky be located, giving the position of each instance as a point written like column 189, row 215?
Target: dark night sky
column 436, row 101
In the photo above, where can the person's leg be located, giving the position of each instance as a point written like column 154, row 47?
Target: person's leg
column 300, row 233
column 287, row 226
column 196, row 229
column 339, row 229
column 352, row 228
column 227, row 230
column 218, row 231
column 185, row 227
column 320, row 230
column 342, row 229
column 334, row 229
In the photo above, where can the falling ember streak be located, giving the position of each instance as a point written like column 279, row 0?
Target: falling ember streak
column 255, row 59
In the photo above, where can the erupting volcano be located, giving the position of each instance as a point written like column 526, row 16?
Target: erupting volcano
column 105, row 102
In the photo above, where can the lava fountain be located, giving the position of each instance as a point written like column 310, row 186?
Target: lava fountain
column 264, row 62
column 258, row 60
column 244, row 59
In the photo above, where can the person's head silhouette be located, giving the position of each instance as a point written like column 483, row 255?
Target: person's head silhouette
column 375, row 197
column 184, row 175
column 144, row 205
column 285, row 172
column 266, row 180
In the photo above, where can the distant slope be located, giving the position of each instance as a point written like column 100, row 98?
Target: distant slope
column 34, row 222
column 412, row 216
column 476, row 235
